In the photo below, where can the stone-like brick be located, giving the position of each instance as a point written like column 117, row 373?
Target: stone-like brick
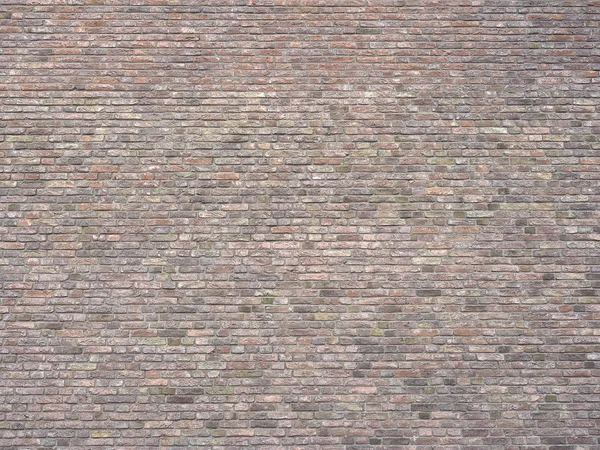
column 299, row 224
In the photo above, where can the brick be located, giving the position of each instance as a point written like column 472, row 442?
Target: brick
column 299, row 224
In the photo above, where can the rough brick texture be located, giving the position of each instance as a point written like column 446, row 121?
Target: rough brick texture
column 300, row 224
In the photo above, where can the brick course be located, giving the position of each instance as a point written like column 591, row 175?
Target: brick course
column 300, row 224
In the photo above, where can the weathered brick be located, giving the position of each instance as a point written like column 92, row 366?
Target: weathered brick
column 299, row 224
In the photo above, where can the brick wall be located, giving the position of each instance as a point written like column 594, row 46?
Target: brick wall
column 300, row 224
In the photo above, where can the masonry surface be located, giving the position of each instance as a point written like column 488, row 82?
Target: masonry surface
column 300, row 224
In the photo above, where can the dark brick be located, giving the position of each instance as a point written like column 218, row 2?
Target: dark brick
column 180, row 399
column 429, row 293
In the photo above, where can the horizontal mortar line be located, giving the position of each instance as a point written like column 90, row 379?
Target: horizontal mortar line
column 222, row 67
column 217, row 30
column 219, row 8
